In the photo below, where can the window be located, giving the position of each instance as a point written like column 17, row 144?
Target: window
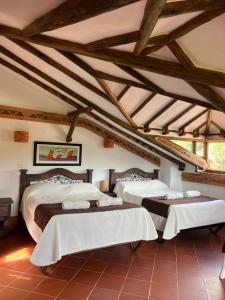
column 216, row 155
column 185, row 144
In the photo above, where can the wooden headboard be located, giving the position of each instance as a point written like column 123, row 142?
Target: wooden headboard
column 133, row 173
column 57, row 174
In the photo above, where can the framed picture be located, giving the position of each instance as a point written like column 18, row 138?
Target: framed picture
column 57, row 154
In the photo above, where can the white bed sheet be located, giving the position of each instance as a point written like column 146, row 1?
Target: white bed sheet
column 182, row 216
column 66, row 234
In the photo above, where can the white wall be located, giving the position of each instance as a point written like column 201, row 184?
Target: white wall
column 14, row 156
column 205, row 189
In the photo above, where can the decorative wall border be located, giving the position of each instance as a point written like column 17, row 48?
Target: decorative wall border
column 205, row 178
column 10, row 112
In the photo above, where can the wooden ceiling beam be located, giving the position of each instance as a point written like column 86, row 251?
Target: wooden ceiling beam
column 206, row 91
column 222, row 131
column 59, row 67
column 121, row 80
column 152, row 12
column 123, row 92
column 113, row 41
column 158, row 114
column 87, row 68
column 181, row 130
column 208, row 122
column 140, row 77
column 143, row 104
column 151, row 64
column 174, row 8
column 181, row 30
column 71, row 12
column 116, row 120
column 165, row 129
column 74, row 121
column 155, row 88
column 196, row 132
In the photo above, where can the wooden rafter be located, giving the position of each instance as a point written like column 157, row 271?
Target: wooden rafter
column 113, row 41
column 110, row 77
column 71, row 12
column 140, row 77
column 165, row 129
column 151, row 64
column 206, row 91
column 222, row 131
column 197, row 129
column 158, row 114
column 174, row 8
column 59, row 67
column 75, row 117
column 87, row 68
column 123, row 92
column 181, row 30
column 152, row 12
column 182, row 128
column 143, row 104
column 208, row 122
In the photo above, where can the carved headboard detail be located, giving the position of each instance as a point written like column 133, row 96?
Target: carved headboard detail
column 133, row 174
column 57, row 175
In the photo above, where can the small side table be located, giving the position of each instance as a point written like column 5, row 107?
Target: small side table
column 111, row 194
column 5, row 211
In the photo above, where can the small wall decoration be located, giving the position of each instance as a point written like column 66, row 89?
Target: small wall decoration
column 57, row 154
column 21, row 136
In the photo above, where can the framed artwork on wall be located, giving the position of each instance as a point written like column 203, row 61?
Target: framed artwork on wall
column 57, row 154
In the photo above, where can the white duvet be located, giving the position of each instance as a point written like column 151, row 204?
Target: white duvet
column 65, row 234
column 182, row 216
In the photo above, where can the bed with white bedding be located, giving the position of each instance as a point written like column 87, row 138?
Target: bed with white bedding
column 74, row 232
column 179, row 217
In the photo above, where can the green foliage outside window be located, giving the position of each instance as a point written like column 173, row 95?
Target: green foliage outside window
column 216, row 155
column 185, row 144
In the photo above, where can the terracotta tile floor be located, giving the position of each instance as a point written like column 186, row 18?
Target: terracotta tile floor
column 185, row 268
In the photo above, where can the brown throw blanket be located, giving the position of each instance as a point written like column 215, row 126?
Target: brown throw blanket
column 44, row 212
column 160, row 206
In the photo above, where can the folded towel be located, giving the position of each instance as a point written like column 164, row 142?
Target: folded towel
column 174, row 195
column 110, row 201
column 75, row 204
column 190, row 194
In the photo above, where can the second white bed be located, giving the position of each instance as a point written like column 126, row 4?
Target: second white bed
column 182, row 216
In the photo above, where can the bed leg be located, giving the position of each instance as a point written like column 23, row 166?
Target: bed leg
column 134, row 246
column 160, row 240
column 217, row 229
column 44, row 270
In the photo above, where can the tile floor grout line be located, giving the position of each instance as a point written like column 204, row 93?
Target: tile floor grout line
column 126, row 276
column 153, row 267
column 95, row 285
column 196, row 254
column 176, row 259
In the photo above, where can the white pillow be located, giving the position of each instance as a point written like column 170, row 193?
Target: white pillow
column 151, row 185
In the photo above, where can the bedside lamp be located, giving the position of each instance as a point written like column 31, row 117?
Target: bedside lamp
column 104, row 186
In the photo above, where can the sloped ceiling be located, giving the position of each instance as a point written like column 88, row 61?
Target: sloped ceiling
column 204, row 45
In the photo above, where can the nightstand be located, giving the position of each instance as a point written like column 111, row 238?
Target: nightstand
column 111, row 194
column 5, row 210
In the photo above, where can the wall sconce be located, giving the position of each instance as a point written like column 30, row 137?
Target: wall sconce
column 21, row 136
column 104, row 186
column 108, row 142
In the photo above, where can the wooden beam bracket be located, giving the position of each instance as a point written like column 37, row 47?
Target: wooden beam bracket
column 75, row 116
